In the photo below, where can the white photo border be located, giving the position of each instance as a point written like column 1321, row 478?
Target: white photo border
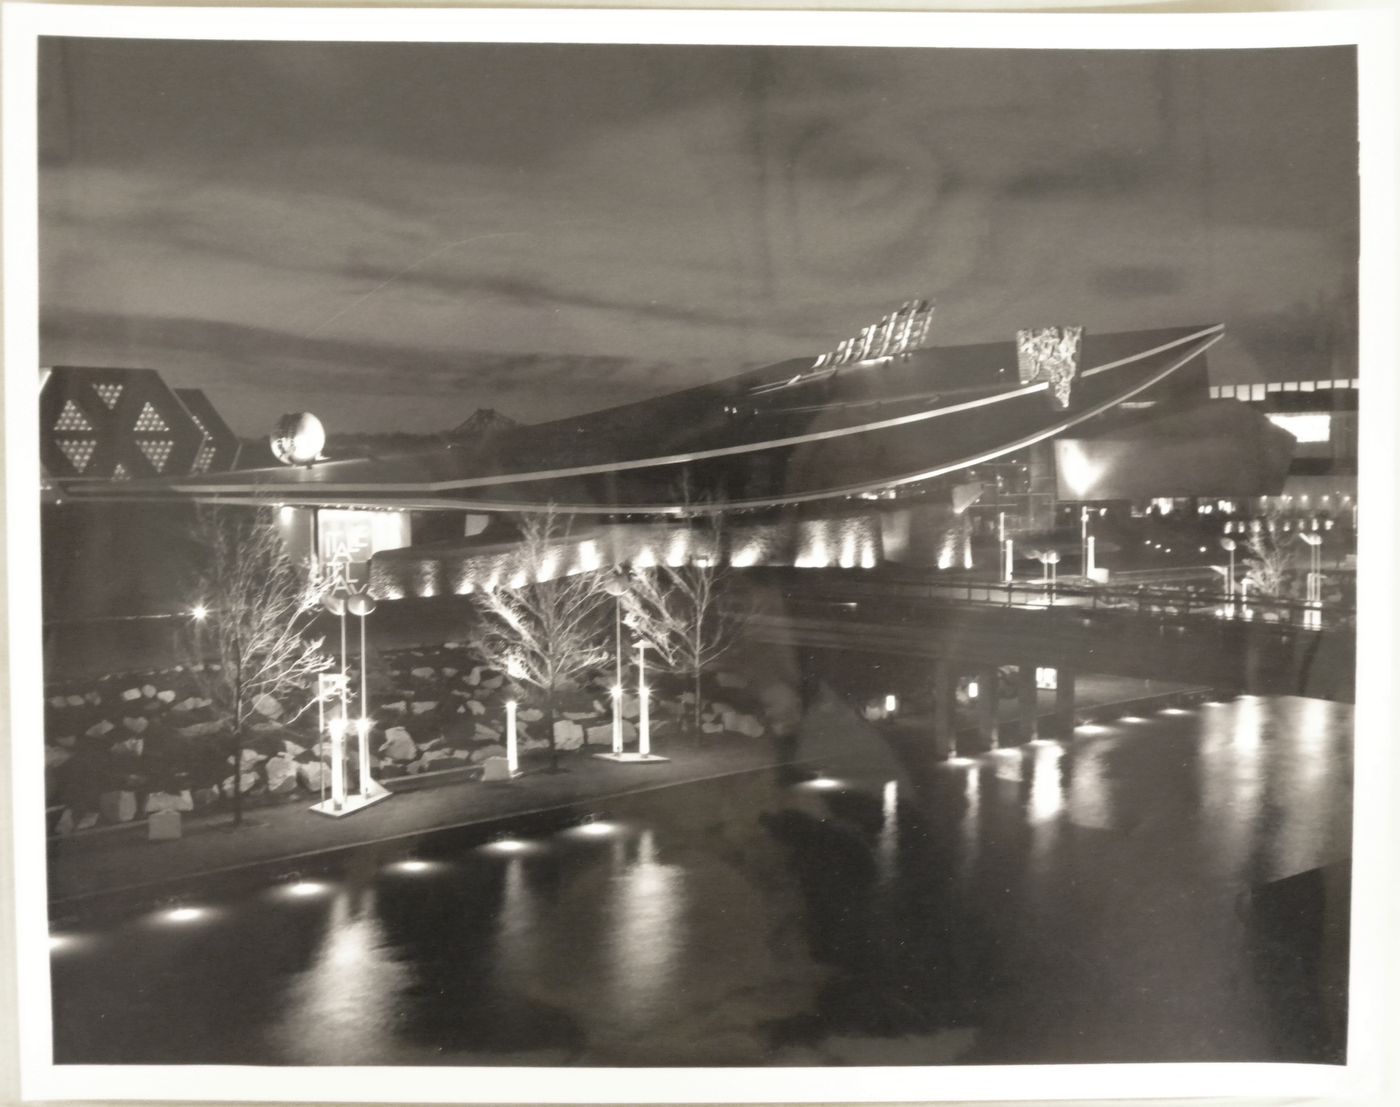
column 1375, row 829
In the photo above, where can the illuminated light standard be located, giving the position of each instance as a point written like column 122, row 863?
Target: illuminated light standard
column 1313, row 616
column 1229, row 545
column 616, row 586
column 644, row 702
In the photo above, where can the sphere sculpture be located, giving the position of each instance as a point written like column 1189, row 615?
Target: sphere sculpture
column 298, row 439
column 335, row 602
column 615, row 583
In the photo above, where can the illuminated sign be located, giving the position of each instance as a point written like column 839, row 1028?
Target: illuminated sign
column 348, row 539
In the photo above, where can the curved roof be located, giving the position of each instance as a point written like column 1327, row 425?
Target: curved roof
column 778, row 435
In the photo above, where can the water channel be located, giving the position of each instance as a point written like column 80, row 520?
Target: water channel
column 1165, row 888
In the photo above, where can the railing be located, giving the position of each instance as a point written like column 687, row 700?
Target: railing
column 1160, row 603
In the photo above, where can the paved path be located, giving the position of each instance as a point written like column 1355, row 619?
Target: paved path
column 116, row 860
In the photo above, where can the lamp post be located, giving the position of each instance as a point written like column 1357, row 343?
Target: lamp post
column 362, row 605
column 1314, row 600
column 1229, row 545
column 512, row 741
column 615, row 584
column 643, row 703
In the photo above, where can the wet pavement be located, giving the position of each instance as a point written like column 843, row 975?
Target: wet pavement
column 1170, row 888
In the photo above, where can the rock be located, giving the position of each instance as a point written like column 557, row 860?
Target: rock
column 198, row 730
column 131, row 694
column 631, row 707
column 136, row 724
column 246, row 783
column 76, row 701
column 93, row 698
column 485, row 733
column 452, row 645
column 736, row 722
column 712, row 728
column 422, row 707
column 450, row 672
column 476, row 707
column 579, row 716
column 568, row 735
column 267, row 706
column 310, row 774
column 54, row 756
column 629, row 730
column 435, row 755
column 425, row 673
column 149, row 691
column 163, row 826
column 169, row 801
column 291, row 749
column 474, row 677
column 117, row 807
column 461, row 755
column 99, row 728
column 600, row 735
column 188, row 704
column 281, row 774
column 529, row 742
column 493, row 681
column 398, row 707
column 133, row 746
column 495, row 769
column 250, row 759
column 203, row 797
column 166, row 697
column 66, row 824
column 529, row 714
column 480, row 755
column 67, row 741
column 398, row 745
column 58, row 701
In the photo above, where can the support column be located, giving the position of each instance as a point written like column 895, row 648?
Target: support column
column 1027, row 703
column 945, row 704
column 987, row 706
column 1064, row 705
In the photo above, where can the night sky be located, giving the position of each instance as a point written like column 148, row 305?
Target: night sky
column 395, row 235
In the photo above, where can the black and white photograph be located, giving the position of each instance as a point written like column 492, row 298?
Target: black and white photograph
column 625, row 555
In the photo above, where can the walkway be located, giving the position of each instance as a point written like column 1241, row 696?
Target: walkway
column 91, row 865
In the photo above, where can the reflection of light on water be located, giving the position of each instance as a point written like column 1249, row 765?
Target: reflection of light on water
column 1174, row 711
column 645, row 559
column 867, row 555
column 889, row 828
column 1088, row 790
column 303, row 888
column 1091, row 728
column 847, row 557
column 970, row 829
column 597, row 829
column 340, row 1009
column 647, row 932
column 1047, row 798
column 63, row 943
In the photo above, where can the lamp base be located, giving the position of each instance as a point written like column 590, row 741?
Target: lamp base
column 353, row 802
column 631, row 758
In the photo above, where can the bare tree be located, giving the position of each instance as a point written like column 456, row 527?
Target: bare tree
column 689, row 611
column 255, row 609
column 544, row 629
column 1270, row 557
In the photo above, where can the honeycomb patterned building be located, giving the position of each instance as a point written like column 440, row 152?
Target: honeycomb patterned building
column 127, row 424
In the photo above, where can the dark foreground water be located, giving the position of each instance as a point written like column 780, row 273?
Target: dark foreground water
column 1167, row 889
